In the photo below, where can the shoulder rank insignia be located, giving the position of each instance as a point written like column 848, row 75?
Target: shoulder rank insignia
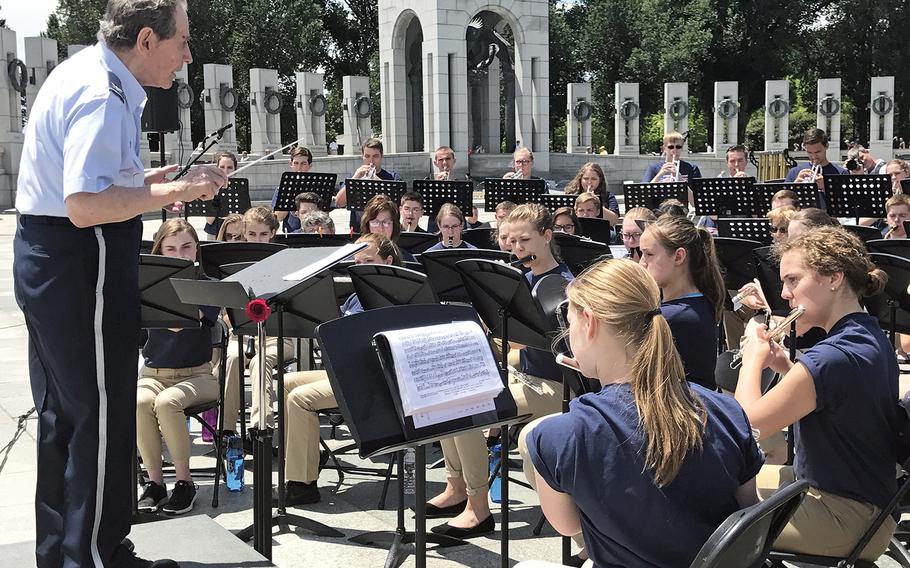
column 115, row 86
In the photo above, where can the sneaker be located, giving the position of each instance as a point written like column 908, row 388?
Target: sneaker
column 300, row 493
column 153, row 496
column 182, row 498
column 124, row 557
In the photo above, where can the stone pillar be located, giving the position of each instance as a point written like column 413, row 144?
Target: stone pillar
column 676, row 110
column 73, row 49
column 219, row 102
column 777, row 115
column 726, row 114
column 10, row 118
column 356, row 110
column 626, row 122
column 40, row 58
column 828, row 115
column 265, row 111
column 578, row 118
column 182, row 139
column 881, row 118
column 311, row 107
column 491, row 118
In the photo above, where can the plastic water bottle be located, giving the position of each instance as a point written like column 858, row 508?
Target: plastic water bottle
column 234, row 476
column 410, row 483
column 496, row 486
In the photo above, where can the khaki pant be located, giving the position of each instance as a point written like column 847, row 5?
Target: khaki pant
column 161, row 397
column 232, row 375
column 825, row 524
column 466, row 455
column 306, row 392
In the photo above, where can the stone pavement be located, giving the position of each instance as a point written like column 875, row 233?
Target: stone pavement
column 349, row 507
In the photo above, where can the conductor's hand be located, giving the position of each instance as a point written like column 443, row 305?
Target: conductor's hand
column 159, row 175
column 200, row 182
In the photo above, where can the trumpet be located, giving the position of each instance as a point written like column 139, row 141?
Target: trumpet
column 775, row 334
column 518, row 174
column 676, row 168
column 445, row 176
column 371, row 174
column 816, row 172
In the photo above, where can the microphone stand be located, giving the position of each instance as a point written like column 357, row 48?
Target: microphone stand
column 212, row 139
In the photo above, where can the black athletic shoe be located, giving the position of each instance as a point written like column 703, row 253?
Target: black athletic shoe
column 153, row 497
column 182, row 498
column 125, row 558
column 300, row 493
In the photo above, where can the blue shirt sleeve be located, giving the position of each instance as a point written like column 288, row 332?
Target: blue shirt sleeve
column 650, row 173
column 552, row 447
column 93, row 145
column 791, row 175
column 274, row 200
column 696, row 173
column 612, row 203
column 830, row 369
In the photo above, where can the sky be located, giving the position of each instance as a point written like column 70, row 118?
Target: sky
column 28, row 18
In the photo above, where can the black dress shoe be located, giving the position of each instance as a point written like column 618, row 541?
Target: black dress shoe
column 300, row 493
column 485, row 526
column 576, row 561
column 434, row 512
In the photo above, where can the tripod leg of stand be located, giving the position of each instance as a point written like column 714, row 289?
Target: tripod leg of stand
column 388, row 478
column 539, row 526
column 420, row 519
column 504, row 471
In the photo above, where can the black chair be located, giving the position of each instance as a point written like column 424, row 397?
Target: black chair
column 745, row 538
column 897, row 247
column 726, row 377
column 865, row 233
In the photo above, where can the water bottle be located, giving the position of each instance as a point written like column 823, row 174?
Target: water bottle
column 409, row 481
column 496, row 486
column 234, row 476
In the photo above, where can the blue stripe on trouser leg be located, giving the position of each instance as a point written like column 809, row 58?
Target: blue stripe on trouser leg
column 56, row 272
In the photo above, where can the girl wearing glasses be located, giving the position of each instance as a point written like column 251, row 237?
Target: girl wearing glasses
column 565, row 221
column 780, row 220
column 672, row 168
column 231, row 229
column 631, row 231
column 450, row 221
column 681, row 259
column 590, row 179
column 381, row 216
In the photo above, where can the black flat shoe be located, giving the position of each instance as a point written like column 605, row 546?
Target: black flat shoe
column 486, row 526
column 434, row 512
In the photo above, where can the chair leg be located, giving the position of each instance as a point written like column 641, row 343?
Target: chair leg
column 897, row 551
column 539, row 526
column 388, row 479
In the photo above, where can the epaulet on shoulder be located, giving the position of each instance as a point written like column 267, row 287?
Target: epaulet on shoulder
column 115, row 86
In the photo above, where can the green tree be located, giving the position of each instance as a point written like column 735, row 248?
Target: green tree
column 566, row 65
column 75, row 22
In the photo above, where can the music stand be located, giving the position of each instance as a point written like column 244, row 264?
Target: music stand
column 518, row 191
column 310, row 240
column 905, row 186
column 749, row 229
column 415, row 242
column 737, row 263
column 298, row 305
column 896, row 247
column 651, row 195
column 382, row 286
column 436, row 193
column 294, row 183
column 235, row 198
column 214, row 254
column 729, row 196
column 579, row 253
column 360, row 191
column 892, row 305
column 369, row 410
column 554, row 201
column 806, row 195
column 482, row 237
column 865, row 233
column 445, row 279
column 857, row 196
column 767, row 270
column 596, row 229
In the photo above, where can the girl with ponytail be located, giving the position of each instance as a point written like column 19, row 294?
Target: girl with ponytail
column 681, row 259
column 841, row 395
column 649, row 445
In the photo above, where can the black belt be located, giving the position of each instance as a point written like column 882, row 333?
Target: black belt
column 45, row 220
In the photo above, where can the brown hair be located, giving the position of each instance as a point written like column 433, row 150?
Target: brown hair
column 786, row 194
column 262, row 215
column 813, row 217
column 897, row 200
column 505, row 206
column 673, row 232
column 624, row 297
column 828, row 250
column 232, row 218
column 220, row 155
column 815, row 136
column 640, row 214
column 301, row 151
column 374, row 207
column 574, row 186
column 384, row 247
column 307, row 197
column 571, row 213
column 449, row 209
column 539, row 217
column 373, row 144
column 173, row 227
column 587, row 198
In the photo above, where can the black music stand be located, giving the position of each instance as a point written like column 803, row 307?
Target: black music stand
column 554, row 201
column 865, row 233
column 436, row 193
column 415, row 242
column 310, row 240
column 518, row 191
column 481, row 237
column 382, row 286
column 905, row 186
column 857, row 196
column 445, row 279
column 294, row 183
column 596, row 229
column 367, row 404
column 767, row 270
column 235, row 198
column 215, row 254
column 737, row 263
column 749, row 229
column 579, row 253
column 651, row 195
column 360, row 191
column 892, row 305
column 298, row 306
column 728, row 196
column 806, row 195
column 896, row 247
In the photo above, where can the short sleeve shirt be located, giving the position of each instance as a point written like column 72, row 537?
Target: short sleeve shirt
column 83, row 133
column 538, row 362
column 694, row 332
column 686, row 170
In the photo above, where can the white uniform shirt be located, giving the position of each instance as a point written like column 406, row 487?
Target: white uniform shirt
column 82, row 134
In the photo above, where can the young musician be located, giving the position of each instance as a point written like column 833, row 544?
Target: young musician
column 591, row 179
column 815, row 142
column 780, row 221
column 841, row 395
column 473, row 221
column 177, row 374
column 306, row 202
column 466, row 456
column 309, row 391
column 503, row 208
column 371, row 153
column 631, row 232
column 411, row 212
column 317, row 222
column 522, row 164
column 898, row 208
column 587, row 205
column 301, row 160
column 450, row 221
column 649, row 466
column 784, row 198
column 668, row 170
column 381, row 216
column 807, row 219
column 260, row 225
column 501, row 235
column 444, row 161
column 681, row 259
column 735, row 162
column 227, row 163
column 898, row 170
column 231, row 228
column 565, row 221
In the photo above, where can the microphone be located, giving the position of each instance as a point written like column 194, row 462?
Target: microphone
column 529, row 258
column 220, row 132
column 250, row 350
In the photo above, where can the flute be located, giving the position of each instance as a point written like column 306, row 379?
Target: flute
column 775, row 334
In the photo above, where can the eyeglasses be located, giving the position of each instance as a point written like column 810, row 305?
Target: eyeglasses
column 674, row 147
column 233, row 236
column 522, row 162
column 412, row 209
column 449, row 227
column 781, row 230
column 566, row 227
column 378, row 223
column 630, row 235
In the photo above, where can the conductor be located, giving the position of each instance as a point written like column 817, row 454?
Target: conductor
column 80, row 193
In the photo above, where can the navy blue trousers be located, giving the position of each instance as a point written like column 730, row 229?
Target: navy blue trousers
column 78, row 290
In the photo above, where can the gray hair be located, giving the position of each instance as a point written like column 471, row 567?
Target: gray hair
column 315, row 219
column 124, row 19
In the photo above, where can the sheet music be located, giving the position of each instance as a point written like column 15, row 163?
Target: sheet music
column 444, row 369
column 317, row 267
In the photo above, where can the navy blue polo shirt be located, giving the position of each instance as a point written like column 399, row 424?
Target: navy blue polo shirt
column 595, row 453
column 351, row 306
column 686, row 170
column 691, row 320
column 357, row 214
column 189, row 347
column 539, row 362
column 846, row 445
